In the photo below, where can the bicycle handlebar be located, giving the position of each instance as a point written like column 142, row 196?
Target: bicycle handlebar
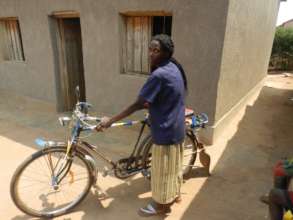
column 89, row 127
column 194, row 121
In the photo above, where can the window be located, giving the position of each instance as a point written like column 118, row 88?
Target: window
column 138, row 31
column 10, row 40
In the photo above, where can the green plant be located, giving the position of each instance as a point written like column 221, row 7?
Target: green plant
column 282, row 51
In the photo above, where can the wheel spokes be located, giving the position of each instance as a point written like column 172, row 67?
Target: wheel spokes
column 35, row 188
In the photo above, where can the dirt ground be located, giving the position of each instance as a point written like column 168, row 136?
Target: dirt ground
column 242, row 159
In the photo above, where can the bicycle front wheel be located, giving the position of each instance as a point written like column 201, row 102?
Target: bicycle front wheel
column 48, row 184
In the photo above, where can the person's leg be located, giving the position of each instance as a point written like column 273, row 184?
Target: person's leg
column 163, row 208
column 165, row 181
column 277, row 202
column 179, row 160
column 178, row 199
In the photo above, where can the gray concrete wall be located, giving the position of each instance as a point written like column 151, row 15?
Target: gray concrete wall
column 33, row 77
column 199, row 47
column 247, row 48
column 224, row 46
column 198, row 32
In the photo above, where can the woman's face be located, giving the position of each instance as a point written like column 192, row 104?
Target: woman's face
column 155, row 53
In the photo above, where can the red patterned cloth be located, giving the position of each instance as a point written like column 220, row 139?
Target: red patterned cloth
column 279, row 171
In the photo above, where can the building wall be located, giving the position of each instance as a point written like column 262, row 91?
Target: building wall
column 199, row 47
column 33, row 77
column 198, row 32
column 223, row 45
column 247, row 48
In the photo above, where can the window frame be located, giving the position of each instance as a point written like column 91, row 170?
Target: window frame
column 23, row 57
column 123, row 37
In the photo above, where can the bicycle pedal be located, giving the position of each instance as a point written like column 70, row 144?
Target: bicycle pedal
column 100, row 193
column 146, row 173
column 105, row 172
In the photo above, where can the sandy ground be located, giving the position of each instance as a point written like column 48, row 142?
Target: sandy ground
column 242, row 159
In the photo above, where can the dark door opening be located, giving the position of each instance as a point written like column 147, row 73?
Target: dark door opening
column 70, row 62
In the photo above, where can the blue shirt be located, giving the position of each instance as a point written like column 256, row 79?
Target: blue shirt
column 164, row 91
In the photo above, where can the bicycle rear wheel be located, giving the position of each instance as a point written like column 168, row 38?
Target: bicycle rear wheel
column 189, row 154
column 40, row 188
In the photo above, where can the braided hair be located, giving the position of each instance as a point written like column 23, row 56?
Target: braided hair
column 167, row 46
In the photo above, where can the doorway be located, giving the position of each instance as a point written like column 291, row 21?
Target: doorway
column 70, row 71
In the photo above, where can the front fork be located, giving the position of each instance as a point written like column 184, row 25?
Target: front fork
column 62, row 168
column 58, row 173
column 89, row 159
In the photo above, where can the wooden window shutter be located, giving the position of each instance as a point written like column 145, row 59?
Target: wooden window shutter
column 4, row 46
column 10, row 43
column 138, row 33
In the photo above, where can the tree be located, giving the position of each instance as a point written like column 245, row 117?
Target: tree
column 282, row 52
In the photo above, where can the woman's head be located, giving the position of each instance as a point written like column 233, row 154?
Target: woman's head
column 161, row 48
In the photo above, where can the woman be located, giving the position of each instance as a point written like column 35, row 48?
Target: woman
column 164, row 95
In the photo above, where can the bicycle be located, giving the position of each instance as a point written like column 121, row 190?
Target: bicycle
column 74, row 163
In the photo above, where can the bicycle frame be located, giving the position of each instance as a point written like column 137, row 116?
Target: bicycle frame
column 77, row 160
column 135, row 155
column 92, row 152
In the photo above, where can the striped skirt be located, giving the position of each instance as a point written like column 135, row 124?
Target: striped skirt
column 166, row 172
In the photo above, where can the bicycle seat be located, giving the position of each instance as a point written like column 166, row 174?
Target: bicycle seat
column 189, row 112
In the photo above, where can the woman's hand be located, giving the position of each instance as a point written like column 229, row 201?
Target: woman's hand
column 105, row 123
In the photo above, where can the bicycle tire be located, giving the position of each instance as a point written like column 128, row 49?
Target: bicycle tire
column 25, row 164
column 147, row 142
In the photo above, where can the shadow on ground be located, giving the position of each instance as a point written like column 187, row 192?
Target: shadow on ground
column 108, row 207
column 243, row 173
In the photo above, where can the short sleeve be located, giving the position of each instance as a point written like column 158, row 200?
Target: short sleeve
column 151, row 88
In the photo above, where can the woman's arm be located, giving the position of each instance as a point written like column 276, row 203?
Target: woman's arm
column 107, row 122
